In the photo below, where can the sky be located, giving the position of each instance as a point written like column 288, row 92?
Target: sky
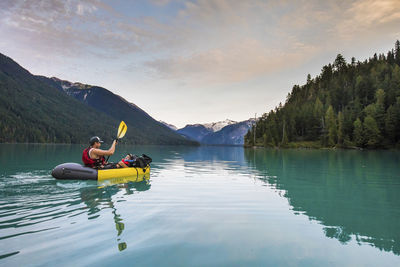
column 202, row 61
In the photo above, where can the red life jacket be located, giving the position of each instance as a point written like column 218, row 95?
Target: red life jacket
column 92, row 163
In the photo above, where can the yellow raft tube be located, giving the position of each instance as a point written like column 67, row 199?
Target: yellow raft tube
column 124, row 180
column 122, row 172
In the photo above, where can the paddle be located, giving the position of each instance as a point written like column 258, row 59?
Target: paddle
column 121, row 132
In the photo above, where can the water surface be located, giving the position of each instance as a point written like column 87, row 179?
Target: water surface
column 203, row 206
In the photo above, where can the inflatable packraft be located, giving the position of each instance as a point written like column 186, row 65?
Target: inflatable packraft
column 75, row 171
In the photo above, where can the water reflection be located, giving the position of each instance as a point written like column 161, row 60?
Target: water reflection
column 206, row 202
column 353, row 194
column 101, row 197
column 33, row 202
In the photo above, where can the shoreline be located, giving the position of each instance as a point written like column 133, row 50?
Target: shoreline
column 223, row 145
column 85, row 144
column 318, row 147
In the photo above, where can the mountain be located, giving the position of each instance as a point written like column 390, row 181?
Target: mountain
column 40, row 109
column 172, row 127
column 354, row 104
column 143, row 129
column 232, row 134
column 226, row 132
column 216, row 126
column 194, row 131
column 33, row 111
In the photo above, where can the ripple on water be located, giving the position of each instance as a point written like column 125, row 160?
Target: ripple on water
column 21, row 178
column 206, row 207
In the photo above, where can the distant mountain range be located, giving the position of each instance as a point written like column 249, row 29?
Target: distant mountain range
column 41, row 109
column 232, row 134
column 51, row 110
column 226, row 132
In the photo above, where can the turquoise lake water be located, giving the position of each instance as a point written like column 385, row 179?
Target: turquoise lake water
column 203, row 206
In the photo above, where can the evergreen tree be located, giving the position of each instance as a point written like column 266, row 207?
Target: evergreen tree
column 360, row 91
column 397, row 52
column 358, row 133
column 394, row 85
column 370, row 110
column 247, row 138
column 318, row 119
column 285, row 140
column 353, row 61
column 380, row 109
column 340, row 63
column 371, row 132
column 340, row 135
column 251, row 139
column 318, row 109
column 391, row 123
column 308, row 78
column 265, row 139
column 273, row 143
column 330, row 120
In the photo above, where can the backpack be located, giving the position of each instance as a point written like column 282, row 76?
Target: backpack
column 141, row 161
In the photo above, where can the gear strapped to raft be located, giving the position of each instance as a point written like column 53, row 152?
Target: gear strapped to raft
column 138, row 162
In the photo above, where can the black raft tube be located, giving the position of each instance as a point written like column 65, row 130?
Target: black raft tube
column 73, row 171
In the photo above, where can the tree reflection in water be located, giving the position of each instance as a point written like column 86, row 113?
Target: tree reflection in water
column 354, row 194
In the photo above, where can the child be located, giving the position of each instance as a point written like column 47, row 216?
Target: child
column 126, row 162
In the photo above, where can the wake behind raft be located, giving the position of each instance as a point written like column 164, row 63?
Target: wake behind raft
column 74, row 171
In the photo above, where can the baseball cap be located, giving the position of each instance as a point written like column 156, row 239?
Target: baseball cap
column 95, row 139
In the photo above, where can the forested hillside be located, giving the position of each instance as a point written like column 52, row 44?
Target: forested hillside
column 350, row 104
column 34, row 112
column 143, row 129
column 36, row 109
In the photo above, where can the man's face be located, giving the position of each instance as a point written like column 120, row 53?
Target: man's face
column 97, row 144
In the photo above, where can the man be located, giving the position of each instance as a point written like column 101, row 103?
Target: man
column 93, row 156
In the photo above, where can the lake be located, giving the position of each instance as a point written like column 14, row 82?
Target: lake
column 203, row 206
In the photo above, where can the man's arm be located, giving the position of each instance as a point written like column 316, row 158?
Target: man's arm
column 100, row 152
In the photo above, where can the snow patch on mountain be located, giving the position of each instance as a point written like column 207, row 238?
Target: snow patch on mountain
column 227, row 132
column 65, row 87
column 216, row 126
column 232, row 134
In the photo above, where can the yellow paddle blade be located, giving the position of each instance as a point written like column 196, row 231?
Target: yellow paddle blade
column 121, row 130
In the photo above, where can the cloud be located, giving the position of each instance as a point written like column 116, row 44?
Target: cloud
column 82, row 9
column 209, row 41
column 70, row 28
column 369, row 17
column 160, row 2
column 235, row 41
column 237, row 62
